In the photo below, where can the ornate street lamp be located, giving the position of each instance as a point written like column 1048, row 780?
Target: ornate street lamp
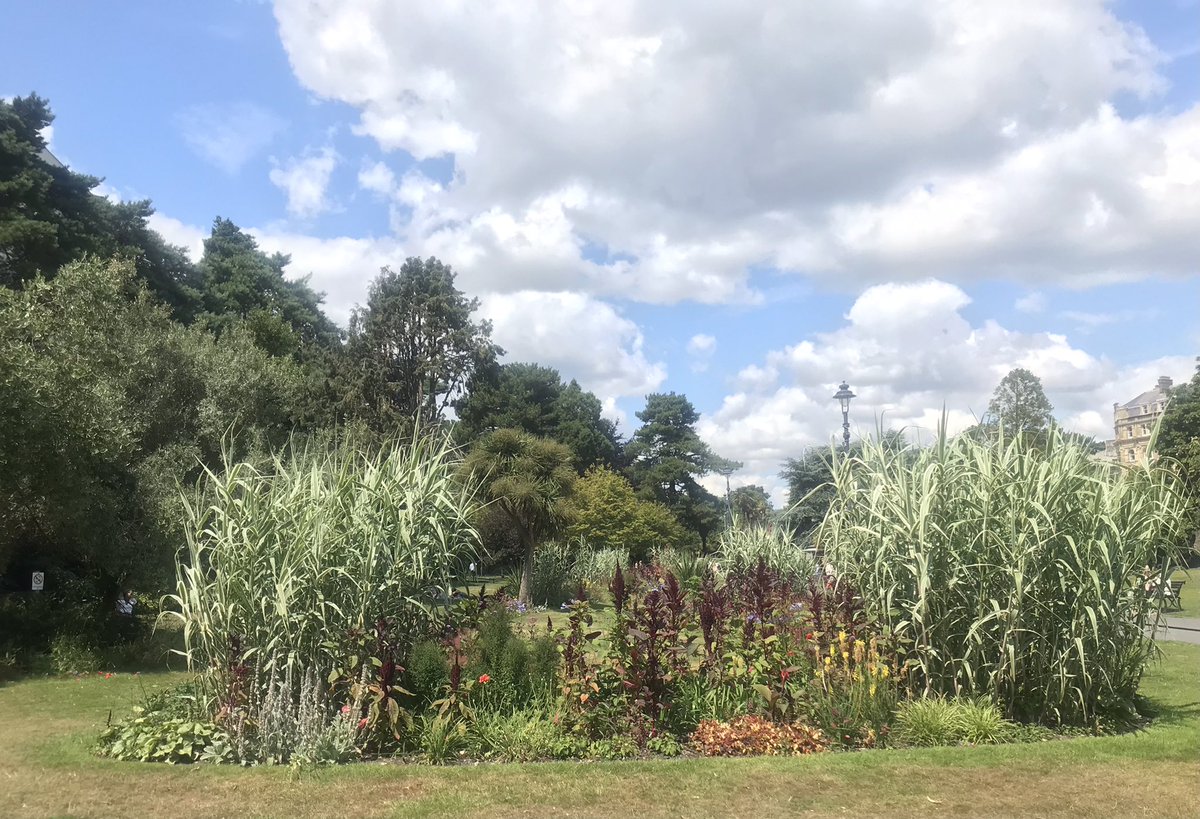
column 843, row 396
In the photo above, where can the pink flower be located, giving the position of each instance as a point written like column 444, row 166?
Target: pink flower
column 345, row 709
column 362, row 723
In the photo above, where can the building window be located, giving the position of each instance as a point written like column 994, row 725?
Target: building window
column 1132, row 456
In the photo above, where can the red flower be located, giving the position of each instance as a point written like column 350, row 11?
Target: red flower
column 484, row 679
column 362, row 723
column 783, row 675
column 808, row 636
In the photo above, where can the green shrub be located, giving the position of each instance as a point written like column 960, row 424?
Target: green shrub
column 741, row 546
column 1012, row 568
column 612, row 748
column 927, row 722
column 664, row 745
column 298, row 559
column 522, row 736
column 697, row 699
column 441, row 739
column 553, row 581
column 169, row 727
column 72, row 654
column 521, row 671
column 428, row 672
column 941, row 721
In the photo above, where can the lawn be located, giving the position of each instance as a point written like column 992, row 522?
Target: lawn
column 47, row 769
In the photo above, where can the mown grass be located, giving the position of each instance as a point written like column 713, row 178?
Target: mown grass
column 49, row 725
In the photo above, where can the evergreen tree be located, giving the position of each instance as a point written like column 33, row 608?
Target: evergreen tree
column 414, row 348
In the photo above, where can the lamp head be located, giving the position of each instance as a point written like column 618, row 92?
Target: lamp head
column 844, row 395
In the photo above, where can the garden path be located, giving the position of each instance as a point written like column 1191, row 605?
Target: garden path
column 1181, row 629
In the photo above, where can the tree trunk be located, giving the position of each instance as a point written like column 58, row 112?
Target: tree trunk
column 527, row 571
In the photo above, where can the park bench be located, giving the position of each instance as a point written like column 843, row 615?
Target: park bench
column 1174, row 600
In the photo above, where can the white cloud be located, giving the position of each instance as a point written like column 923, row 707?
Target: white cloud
column 909, row 353
column 581, row 337
column 701, row 348
column 189, row 237
column 377, row 178
column 305, row 181
column 690, row 143
column 1034, row 302
column 228, row 136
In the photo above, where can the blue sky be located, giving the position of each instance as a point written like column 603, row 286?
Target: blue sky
column 745, row 203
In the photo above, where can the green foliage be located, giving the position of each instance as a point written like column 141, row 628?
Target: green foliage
column 49, row 216
column 1012, row 571
column 169, row 727
column 553, row 580
column 295, row 559
column 520, row 671
column 534, row 399
column 939, row 721
column 1178, row 436
column 1019, row 404
column 427, row 672
column 243, row 286
column 751, row 505
column 593, row 568
column 527, row 735
column 741, row 546
column 106, row 405
column 73, row 654
column 608, row 515
column 666, row 456
column 613, row 748
column 441, row 739
column 414, row 346
column 530, row 479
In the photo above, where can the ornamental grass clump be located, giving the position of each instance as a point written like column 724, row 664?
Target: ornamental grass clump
column 1008, row 568
column 285, row 569
column 743, row 545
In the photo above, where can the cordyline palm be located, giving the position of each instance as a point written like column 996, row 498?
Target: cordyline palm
column 530, row 479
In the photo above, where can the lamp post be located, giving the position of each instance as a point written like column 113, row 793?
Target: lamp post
column 843, row 396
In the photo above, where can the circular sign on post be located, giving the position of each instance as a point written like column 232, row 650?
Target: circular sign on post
column 39, row 581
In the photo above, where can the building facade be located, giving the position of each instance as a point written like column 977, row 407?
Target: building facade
column 1134, row 420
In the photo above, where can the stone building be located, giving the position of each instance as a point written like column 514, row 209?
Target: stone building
column 1134, row 420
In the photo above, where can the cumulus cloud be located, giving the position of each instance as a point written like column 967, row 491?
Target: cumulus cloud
column 661, row 151
column 377, row 178
column 581, row 337
column 909, row 355
column 228, row 136
column 305, row 181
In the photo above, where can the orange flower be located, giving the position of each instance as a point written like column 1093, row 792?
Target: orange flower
column 484, row 679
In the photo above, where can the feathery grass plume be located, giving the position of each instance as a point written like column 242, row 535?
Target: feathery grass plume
column 1011, row 569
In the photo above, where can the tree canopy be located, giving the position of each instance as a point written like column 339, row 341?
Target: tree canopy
column 609, row 515
column 535, row 399
column 414, row 347
column 665, row 458
column 1179, row 431
column 1019, row 403
column 531, row 480
column 49, row 216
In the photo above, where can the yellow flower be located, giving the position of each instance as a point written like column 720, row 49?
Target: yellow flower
column 841, row 636
column 886, row 671
column 828, row 661
column 872, row 689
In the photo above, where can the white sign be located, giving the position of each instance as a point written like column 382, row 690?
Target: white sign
column 39, row 581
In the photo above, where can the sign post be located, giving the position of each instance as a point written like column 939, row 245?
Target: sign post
column 39, row 581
